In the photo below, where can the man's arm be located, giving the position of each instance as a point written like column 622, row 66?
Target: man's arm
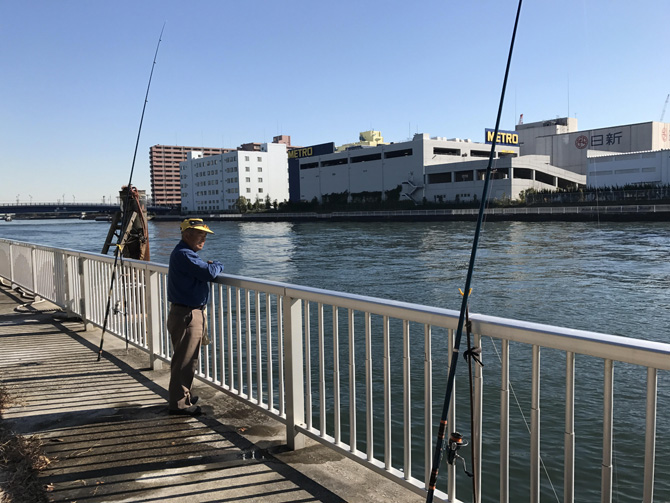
column 204, row 271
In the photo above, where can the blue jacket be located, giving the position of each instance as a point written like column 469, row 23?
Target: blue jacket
column 189, row 276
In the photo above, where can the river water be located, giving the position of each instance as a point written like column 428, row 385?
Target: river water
column 609, row 277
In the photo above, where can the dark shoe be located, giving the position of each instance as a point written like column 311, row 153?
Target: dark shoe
column 193, row 410
column 194, row 399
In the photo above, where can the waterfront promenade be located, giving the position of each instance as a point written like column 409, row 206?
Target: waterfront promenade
column 106, row 430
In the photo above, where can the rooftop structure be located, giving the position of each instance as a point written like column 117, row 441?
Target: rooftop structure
column 365, row 139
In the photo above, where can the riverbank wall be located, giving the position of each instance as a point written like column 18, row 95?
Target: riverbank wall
column 624, row 213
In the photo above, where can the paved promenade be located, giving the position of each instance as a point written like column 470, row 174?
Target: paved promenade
column 106, row 429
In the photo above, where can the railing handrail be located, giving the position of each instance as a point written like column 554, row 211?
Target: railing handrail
column 515, row 330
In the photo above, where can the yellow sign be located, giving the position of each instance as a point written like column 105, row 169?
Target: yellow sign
column 503, row 138
column 300, row 152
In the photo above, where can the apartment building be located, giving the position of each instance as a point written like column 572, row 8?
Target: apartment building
column 214, row 183
column 164, row 166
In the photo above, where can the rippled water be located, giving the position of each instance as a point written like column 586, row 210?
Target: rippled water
column 611, row 278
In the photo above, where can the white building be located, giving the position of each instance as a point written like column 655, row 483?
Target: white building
column 570, row 149
column 215, row 183
column 464, row 181
column 618, row 170
column 435, row 169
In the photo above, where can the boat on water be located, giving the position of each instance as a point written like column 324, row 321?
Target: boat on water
column 8, row 218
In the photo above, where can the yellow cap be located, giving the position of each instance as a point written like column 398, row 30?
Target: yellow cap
column 195, row 223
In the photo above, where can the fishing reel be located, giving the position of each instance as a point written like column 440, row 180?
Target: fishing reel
column 456, row 441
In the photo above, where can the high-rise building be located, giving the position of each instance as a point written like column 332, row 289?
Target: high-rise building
column 164, row 165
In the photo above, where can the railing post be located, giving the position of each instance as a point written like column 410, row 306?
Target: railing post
column 68, row 291
column 477, row 433
column 61, row 282
column 84, row 291
column 295, row 393
column 569, row 435
column 650, row 436
column 608, row 433
column 154, row 321
column 11, row 265
column 535, row 428
column 33, row 273
column 504, row 422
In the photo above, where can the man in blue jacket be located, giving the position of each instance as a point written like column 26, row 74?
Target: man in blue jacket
column 188, row 293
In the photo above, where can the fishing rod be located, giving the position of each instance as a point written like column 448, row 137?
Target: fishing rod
column 439, row 446
column 118, row 249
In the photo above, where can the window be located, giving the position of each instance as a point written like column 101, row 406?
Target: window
column 364, row 158
column 439, row 178
column 260, row 180
column 544, row 177
column 260, row 170
column 463, row 176
column 260, row 159
column 260, row 190
column 480, row 153
column 246, row 157
column 523, row 173
column 398, row 153
column 248, row 189
column 247, row 179
column 247, row 168
column 334, row 162
column 446, row 151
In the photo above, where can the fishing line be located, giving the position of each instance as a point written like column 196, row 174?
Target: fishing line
column 118, row 249
column 523, row 416
column 441, row 435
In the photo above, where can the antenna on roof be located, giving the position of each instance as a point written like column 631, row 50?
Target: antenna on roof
column 664, row 107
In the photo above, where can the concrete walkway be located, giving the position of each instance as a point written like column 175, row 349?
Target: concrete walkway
column 106, row 429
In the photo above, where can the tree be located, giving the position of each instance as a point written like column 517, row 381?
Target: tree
column 241, row 204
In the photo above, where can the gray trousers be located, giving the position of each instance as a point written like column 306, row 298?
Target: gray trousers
column 186, row 327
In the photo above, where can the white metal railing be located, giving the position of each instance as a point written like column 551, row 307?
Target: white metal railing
column 357, row 373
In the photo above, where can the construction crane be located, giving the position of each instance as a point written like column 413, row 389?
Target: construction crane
column 664, row 107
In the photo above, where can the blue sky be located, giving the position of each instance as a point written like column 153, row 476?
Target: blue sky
column 74, row 76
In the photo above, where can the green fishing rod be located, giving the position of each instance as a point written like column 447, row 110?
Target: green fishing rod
column 441, row 434
column 118, row 249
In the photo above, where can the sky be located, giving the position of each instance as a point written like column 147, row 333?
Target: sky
column 75, row 75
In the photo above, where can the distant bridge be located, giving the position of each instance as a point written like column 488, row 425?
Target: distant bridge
column 70, row 208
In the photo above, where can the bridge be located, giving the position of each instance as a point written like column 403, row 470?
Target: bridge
column 69, row 209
